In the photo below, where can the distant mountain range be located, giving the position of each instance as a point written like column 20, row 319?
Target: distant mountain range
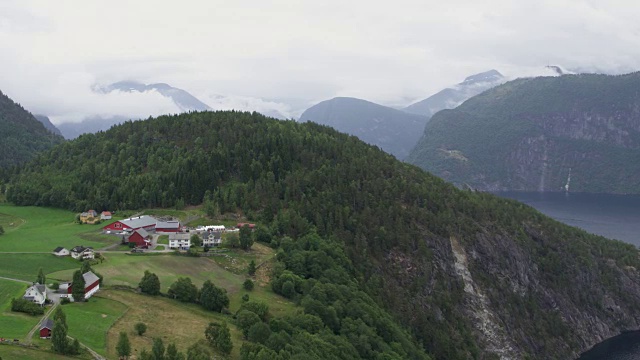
column 47, row 124
column 22, row 136
column 394, row 131
column 449, row 98
column 571, row 132
column 183, row 100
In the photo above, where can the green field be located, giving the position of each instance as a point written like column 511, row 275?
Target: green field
column 10, row 352
column 25, row 266
column 13, row 325
column 90, row 321
column 163, row 239
column 42, row 230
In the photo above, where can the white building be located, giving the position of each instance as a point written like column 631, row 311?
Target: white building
column 60, row 251
column 180, row 241
column 211, row 238
column 82, row 253
column 36, row 293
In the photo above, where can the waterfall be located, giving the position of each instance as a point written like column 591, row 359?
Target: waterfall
column 566, row 186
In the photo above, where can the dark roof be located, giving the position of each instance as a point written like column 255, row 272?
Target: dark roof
column 173, row 224
column 139, row 222
column 58, row 249
column 42, row 288
column 78, row 249
column 47, row 324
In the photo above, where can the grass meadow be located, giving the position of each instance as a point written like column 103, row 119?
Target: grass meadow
column 13, row 325
column 90, row 321
column 25, row 266
column 37, row 229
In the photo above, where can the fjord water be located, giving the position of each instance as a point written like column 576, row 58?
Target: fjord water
column 612, row 216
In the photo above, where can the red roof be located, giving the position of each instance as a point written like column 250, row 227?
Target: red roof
column 107, row 213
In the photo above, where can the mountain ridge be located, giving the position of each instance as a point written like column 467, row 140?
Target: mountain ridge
column 470, row 275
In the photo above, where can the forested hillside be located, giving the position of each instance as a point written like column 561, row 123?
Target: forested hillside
column 21, row 135
column 530, row 134
column 384, row 259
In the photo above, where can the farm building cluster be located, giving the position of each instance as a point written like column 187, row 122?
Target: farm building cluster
column 79, row 252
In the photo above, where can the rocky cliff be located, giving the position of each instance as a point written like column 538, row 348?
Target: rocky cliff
column 576, row 132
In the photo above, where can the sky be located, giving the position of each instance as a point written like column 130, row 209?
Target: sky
column 294, row 53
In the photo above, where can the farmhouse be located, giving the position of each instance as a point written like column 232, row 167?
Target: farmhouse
column 105, row 215
column 179, row 241
column 171, row 226
column 140, row 238
column 211, row 238
column 82, row 253
column 60, row 251
column 91, row 285
column 36, row 293
column 139, row 222
column 211, row 228
column 89, row 216
column 46, row 328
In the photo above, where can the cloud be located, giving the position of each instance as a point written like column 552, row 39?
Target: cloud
column 388, row 52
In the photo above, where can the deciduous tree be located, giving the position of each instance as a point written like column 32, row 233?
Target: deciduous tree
column 150, row 284
column 219, row 337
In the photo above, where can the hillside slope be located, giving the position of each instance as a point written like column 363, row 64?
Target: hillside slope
column 21, row 135
column 530, row 134
column 392, row 130
column 469, row 274
column 451, row 97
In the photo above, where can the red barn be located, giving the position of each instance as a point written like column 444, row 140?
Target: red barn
column 91, row 285
column 172, row 226
column 251, row 226
column 140, row 222
column 46, row 328
column 140, row 238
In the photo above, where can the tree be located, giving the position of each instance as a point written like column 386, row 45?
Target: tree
column 86, row 267
column 41, row 278
column 140, row 328
column 259, row 333
column 262, row 235
column 77, row 287
column 219, row 337
column 246, row 237
column 246, row 319
column 199, row 351
column 157, row 350
column 212, row 297
column 123, row 348
column 248, row 285
column 172, row 353
column 184, row 290
column 252, row 268
column 196, row 240
column 150, row 284
column 232, row 240
column 75, row 347
column 59, row 341
column 60, row 315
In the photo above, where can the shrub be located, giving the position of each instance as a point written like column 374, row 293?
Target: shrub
column 25, row 306
column 140, row 328
column 248, row 285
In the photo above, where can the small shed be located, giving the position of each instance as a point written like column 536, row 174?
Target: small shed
column 46, row 329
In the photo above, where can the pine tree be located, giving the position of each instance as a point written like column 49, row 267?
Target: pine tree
column 157, row 351
column 219, row 337
column 173, row 353
column 252, row 268
column 59, row 342
column 77, row 286
column 41, row 278
column 246, row 237
column 123, row 348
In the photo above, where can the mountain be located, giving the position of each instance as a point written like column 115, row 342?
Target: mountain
column 392, row 130
column 574, row 132
column 47, row 124
column 185, row 101
column 22, row 136
column 451, row 97
column 90, row 125
column 385, row 261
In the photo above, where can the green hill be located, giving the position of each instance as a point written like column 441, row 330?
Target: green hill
column 384, row 260
column 529, row 134
column 22, row 136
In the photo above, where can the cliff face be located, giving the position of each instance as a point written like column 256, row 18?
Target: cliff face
column 543, row 134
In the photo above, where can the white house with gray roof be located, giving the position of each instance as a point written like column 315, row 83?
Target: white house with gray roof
column 36, row 293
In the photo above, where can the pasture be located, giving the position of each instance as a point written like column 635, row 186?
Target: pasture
column 11, row 352
column 37, row 229
column 13, row 325
column 90, row 321
column 25, row 266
